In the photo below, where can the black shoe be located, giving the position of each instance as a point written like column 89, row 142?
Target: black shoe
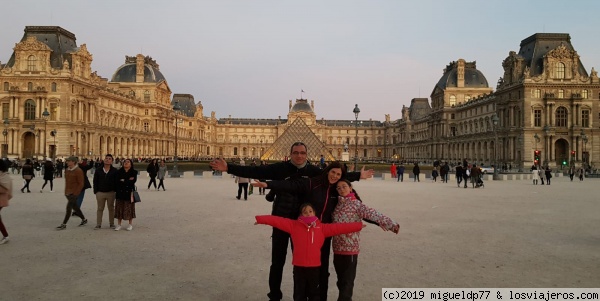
column 61, row 227
column 83, row 222
column 73, row 214
column 237, row 197
column 22, row 191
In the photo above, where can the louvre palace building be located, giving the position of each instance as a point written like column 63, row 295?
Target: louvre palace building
column 545, row 109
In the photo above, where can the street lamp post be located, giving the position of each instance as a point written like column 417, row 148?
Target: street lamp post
column 53, row 134
column 546, row 129
column 45, row 115
column 176, row 109
column 520, row 162
column 495, row 120
column 584, row 158
column 356, row 111
column 5, row 133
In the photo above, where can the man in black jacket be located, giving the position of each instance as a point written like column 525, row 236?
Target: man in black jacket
column 105, row 181
column 285, row 205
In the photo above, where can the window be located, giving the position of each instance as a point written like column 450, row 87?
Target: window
column 584, row 94
column 4, row 110
column 452, row 116
column 146, row 127
column 31, row 63
column 452, row 100
column 53, row 87
column 537, row 118
column 5, row 86
column 146, row 112
column 561, row 93
column 561, row 117
column 30, row 86
column 53, row 111
column 559, row 69
column 146, row 95
column 585, row 118
column 468, row 97
column 29, row 110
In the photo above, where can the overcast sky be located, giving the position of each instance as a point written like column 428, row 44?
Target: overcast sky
column 247, row 59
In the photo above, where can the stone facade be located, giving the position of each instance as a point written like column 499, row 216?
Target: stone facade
column 54, row 105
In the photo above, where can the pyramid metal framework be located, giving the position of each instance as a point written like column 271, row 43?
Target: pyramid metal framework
column 298, row 131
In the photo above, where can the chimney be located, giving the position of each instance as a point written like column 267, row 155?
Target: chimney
column 460, row 74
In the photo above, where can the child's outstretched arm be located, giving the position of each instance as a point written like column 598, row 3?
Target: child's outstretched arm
column 386, row 223
column 283, row 224
column 341, row 228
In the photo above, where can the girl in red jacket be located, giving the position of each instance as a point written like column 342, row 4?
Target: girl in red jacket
column 308, row 235
column 346, row 246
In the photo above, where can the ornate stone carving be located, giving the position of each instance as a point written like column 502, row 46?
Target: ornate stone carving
column 31, row 44
column 561, row 52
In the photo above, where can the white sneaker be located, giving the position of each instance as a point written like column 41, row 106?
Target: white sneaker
column 130, row 227
column 4, row 240
column 117, row 228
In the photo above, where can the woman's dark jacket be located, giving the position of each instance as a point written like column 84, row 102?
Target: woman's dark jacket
column 317, row 191
column 27, row 170
column 124, row 185
column 152, row 169
column 48, row 171
column 85, row 168
column 286, row 204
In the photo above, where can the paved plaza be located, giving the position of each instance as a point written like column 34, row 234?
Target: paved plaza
column 195, row 241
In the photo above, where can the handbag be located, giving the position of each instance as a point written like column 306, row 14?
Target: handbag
column 136, row 196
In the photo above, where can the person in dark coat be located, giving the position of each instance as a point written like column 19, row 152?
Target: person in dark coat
column 459, row 174
column 400, row 172
column 416, row 172
column 85, row 166
column 48, row 175
column 27, row 174
column 152, row 170
column 124, row 205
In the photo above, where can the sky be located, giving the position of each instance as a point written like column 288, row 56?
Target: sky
column 247, row 59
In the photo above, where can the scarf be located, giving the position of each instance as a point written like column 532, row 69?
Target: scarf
column 309, row 220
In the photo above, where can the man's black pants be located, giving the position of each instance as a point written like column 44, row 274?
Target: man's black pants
column 279, row 246
column 72, row 206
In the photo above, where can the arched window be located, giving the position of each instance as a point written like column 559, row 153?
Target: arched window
column 452, row 100
column 31, row 63
column 561, row 117
column 29, row 109
column 559, row 70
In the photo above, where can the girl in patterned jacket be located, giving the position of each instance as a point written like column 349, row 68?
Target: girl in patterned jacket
column 346, row 246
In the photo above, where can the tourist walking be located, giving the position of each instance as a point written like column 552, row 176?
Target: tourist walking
column 124, row 205
column 27, row 174
column 242, row 184
column 152, row 170
column 434, row 174
column 73, row 186
column 48, row 175
column 5, row 196
column 581, row 173
column 105, row 184
column 162, row 172
column 572, row 172
column 85, row 166
column 459, row 174
column 542, row 174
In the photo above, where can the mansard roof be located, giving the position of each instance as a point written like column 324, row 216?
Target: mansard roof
column 473, row 77
column 419, row 107
column 186, row 102
column 534, row 48
column 61, row 41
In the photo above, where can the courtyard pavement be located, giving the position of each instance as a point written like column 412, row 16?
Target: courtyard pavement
column 195, row 241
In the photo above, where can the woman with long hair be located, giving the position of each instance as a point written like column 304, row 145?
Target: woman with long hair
column 28, row 175
column 48, row 175
column 124, row 205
